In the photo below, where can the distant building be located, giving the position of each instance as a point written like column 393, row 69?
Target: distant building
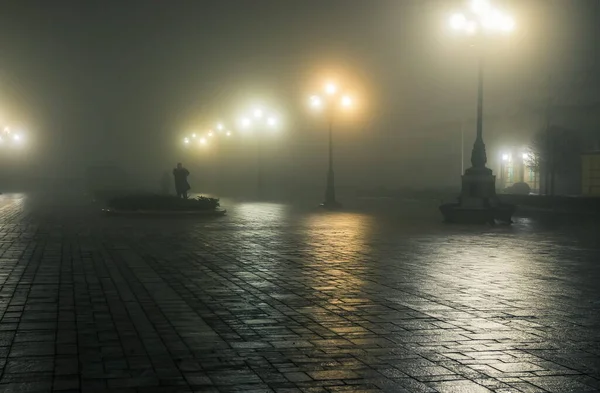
column 590, row 173
column 515, row 167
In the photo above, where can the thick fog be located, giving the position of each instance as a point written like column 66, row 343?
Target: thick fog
column 123, row 82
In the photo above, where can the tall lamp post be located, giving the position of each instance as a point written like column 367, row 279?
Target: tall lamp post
column 331, row 102
column 478, row 201
column 259, row 121
column 482, row 21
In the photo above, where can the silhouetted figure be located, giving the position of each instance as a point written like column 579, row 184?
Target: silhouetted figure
column 181, row 184
column 165, row 183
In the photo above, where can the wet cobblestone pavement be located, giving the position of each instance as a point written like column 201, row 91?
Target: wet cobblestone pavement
column 276, row 299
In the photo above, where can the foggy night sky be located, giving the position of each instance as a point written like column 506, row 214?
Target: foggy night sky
column 122, row 81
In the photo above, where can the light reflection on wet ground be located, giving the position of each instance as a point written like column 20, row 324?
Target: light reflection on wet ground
column 383, row 279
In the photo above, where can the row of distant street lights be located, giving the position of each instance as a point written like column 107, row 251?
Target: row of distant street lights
column 202, row 139
column 329, row 101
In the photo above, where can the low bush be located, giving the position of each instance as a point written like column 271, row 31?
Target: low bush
column 162, row 203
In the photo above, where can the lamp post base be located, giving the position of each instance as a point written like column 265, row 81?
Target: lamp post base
column 331, row 205
column 478, row 203
column 330, row 202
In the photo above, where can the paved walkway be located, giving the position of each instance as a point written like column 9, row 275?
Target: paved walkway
column 271, row 299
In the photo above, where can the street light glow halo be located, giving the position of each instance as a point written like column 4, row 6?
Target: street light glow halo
column 316, row 102
column 486, row 17
column 346, row 101
column 508, row 24
column 245, row 122
column 458, row 21
column 471, row 27
column 480, row 7
column 330, row 88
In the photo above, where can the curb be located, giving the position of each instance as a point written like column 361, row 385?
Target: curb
column 163, row 213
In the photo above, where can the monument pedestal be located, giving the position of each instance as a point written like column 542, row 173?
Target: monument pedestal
column 478, row 202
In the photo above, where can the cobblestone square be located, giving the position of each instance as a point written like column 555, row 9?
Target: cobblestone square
column 272, row 298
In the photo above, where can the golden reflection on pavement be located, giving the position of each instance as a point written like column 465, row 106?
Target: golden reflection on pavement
column 15, row 202
column 340, row 237
column 334, row 261
column 264, row 230
column 261, row 214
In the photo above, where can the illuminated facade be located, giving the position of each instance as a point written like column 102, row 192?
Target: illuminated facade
column 590, row 174
column 515, row 167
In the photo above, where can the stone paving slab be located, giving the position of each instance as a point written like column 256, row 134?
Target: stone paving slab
column 271, row 299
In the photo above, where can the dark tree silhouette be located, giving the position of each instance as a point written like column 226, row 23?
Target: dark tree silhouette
column 555, row 150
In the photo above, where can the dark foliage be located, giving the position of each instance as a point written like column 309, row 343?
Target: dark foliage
column 555, row 151
column 162, row 203
column 556, row 148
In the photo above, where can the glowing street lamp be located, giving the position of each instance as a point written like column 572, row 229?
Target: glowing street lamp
column 261, row 121
column 316, row 101
column 271, row 122
column 331, row 102
column 346, row 101
column 11, row 138
column 246, row 122
column 483, row 20
column 330, row 89
column 478, row 201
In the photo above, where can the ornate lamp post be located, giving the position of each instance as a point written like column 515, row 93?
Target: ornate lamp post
column 484, row 20
column 331, row 102
column 259, row 121
column 478, row 201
